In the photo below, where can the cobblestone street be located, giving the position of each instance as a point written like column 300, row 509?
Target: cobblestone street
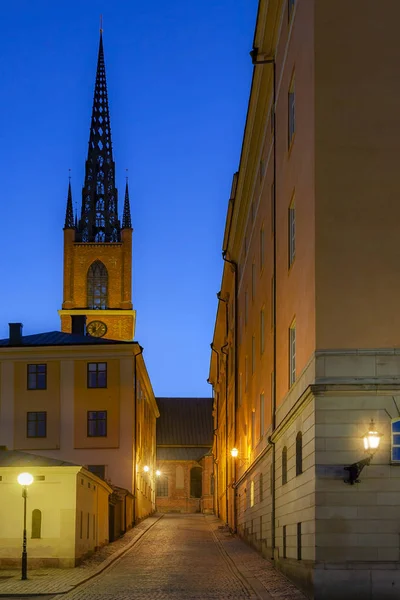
column 182, row 558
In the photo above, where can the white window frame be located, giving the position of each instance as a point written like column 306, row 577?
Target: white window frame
column 392, row 444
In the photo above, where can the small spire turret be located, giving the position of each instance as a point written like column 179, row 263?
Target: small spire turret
column 69, row 213
column 126, row 217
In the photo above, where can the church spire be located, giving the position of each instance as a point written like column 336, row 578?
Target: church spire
column 126, row 217
column 69, row 213
column 99, row 214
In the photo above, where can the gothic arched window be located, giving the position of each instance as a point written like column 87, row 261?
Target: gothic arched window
column 196, row 482
column 97, row 284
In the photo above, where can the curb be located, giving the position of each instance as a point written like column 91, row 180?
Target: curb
column 107, row 563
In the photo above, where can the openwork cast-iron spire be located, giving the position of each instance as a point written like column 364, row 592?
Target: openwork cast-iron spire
column 126, row 217
column 99, row 214
column 69, row 213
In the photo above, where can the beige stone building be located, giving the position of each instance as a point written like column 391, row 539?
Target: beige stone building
column 84, row 400
column 67, row 511
column 306, row 346
column 185, row 462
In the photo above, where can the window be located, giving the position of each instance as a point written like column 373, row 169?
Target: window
column 298, row 541
column 97, row 375
column 262, row 247
column 262, row 326
column 253, row 354
column 396, row 440
column 291, row 112
column 292, row 234
column 262, row 414
column 291, row 4
column 97, row 284
column 97, row 423
column 37, row 377
column 284, row 541
column 195, row 482
column 253, row 428
column 284, row 465
column 36, row 424
column 292, row 354
column 99, row 470
column 299, row 453
column 162, row 486
column 261, row 489
column 36, row 524
column 253, row 281
column 252, row 493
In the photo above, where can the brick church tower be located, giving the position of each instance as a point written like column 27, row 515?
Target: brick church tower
column 97, row 248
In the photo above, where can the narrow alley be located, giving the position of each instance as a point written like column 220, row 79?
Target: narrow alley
column 188, row 557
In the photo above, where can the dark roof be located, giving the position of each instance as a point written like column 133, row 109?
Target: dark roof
column 58, row 338
column 181, row 453
column 185, row 421
column 14, row 458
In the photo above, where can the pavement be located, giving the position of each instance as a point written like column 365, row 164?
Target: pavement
column 170, row 557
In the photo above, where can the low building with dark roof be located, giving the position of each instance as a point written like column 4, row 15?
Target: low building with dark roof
column 64, row 501
column 184, row 455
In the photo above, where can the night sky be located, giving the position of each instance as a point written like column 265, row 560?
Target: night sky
column 178, row 76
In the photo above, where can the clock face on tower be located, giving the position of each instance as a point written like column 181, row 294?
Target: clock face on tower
column 96, row 328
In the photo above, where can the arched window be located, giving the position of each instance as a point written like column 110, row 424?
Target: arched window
column 299, row 453
column 36, row 524
column 195, row 482
column 162, row 486
column 284, row 466
column 97, row 284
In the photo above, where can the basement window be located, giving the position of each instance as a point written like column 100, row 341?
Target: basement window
column 395, row 454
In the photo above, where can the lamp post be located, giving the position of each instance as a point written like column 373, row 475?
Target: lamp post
column 24, row 479
column 371, row 443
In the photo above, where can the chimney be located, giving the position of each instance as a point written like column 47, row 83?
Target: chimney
column 78, row 324
column 15, row 338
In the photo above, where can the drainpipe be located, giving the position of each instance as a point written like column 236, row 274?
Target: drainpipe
column 271, row 61
column 235, row 362
column 135, row 429
column 215, row 432
column 226, row 431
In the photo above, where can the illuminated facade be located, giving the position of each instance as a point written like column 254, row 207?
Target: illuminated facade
column 306, row 347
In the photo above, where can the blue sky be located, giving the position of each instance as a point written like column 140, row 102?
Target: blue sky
column 178, row 76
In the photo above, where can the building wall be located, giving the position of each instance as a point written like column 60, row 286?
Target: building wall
column 356, row 175
column 67, row 400
column 60, row 497
column 179, row 498
column 117, row 258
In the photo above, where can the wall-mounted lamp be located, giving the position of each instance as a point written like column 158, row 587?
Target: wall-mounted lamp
column 235, row 455
column 146, row 469
column 158, row 473
column 371, row 443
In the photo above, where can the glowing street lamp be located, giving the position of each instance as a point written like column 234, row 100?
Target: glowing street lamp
column 234, row 452
column 371, row 444
column 146, row 469
column 158, row 473
column 24, row 479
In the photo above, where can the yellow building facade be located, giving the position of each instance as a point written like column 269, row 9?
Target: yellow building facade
column 84, row 400
column 305, row 349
